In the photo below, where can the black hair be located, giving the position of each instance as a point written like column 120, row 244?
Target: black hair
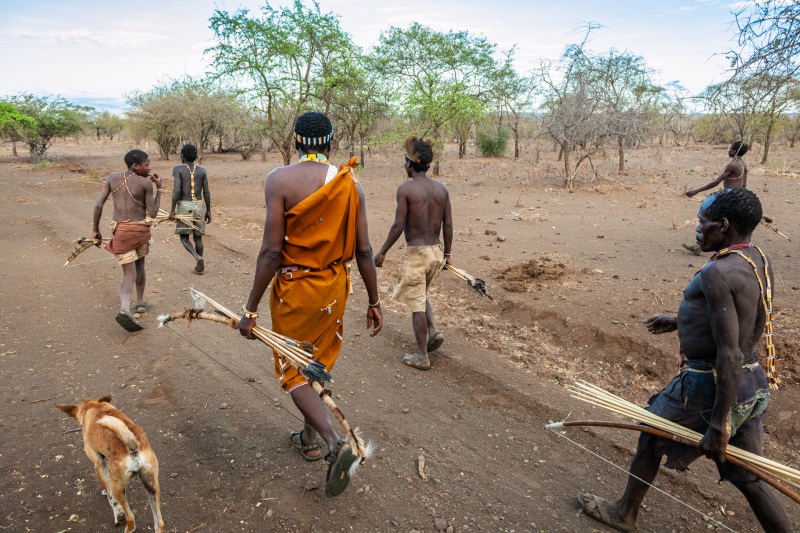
column 135, row 156
column 741, row 207
column 189, row 152
column 313, row 132
column 419, row 153
column 739, row 147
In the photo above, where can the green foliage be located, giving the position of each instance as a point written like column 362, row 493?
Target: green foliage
column 435, row 75
column 106, row 124
column 492, row 144
column 287, row 61
column 43, row 120
column 11, row 118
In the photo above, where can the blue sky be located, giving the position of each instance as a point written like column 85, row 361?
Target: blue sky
column 95, row 52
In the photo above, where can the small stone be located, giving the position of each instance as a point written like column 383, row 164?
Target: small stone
column 496, row 201
column 173, row 475
column 449, row 529
column 406, row 410
column 500, row 238
column 135, row 315
column 269, row 513
column 439, row 523
column 311, row 485
column 730, row 513
column 224, row 405
column 259, row 455
column 491, row 232
column 48, row 345
column 393, row 523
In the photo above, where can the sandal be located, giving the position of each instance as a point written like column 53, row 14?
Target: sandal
column 141, row 308
column 305, row 448
column 127, row 322
column 598, row 508
column 435, row 342
column 340, row 469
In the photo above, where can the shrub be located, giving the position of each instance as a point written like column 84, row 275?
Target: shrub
column 492, row 144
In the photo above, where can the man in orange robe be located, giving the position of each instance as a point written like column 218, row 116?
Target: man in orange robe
column 316, row 223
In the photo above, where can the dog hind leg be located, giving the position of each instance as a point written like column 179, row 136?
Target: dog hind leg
column 118, row 492
column 101, row 470
column 149, row 477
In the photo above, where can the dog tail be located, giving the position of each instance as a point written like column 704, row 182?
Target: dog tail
column 121, row 430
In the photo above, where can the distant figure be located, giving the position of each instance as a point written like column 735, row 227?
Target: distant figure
column 734, row 175
column 721, row 391
column 423, row 212
column 130, row 232
column 191, row 182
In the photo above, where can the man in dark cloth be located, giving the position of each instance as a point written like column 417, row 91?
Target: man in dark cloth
column 423, row 213
column 734, row 175
column 316, row 223
column 721, row 390
column 190, row 196
column 132, row 192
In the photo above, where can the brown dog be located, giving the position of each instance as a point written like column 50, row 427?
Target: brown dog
column 119, row 449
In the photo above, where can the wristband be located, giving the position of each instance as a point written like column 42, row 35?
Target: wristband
column 376, row 304
column 249, row 314
column 447, row 255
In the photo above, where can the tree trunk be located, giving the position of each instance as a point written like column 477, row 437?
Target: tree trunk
column 516, row 144
column 14, row 148
column 567, row 177
column 621, row 170
column 561, row 152
column 767, row 137
column 361, row 143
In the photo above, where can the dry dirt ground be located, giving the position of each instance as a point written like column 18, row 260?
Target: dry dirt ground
column 574, row 273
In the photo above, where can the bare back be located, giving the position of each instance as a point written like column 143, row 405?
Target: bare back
column 298, row 181
column 130, row 198
column 183, row 183
column 426, row 200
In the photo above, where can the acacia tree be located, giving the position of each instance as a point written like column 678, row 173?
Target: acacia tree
column 107, row 124
column 768, row 38
column 51, row 118
column 284, row 59
column 433, row 72
column 11, row 121
column 626, row 92
column 359, row 101
column 572, row 105
column 514, row 96
column 153, row 115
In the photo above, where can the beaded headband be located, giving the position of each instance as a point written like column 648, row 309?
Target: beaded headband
column 313, row 141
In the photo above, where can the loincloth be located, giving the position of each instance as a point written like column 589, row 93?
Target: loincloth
column 688, row 400
column 421, row 266
column 130, row 241
column 196, row 210
column 308, row 305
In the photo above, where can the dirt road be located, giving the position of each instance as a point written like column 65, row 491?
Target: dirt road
column 574, row 274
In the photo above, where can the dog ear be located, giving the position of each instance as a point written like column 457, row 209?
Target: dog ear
column 71, row 410
column 107, row 399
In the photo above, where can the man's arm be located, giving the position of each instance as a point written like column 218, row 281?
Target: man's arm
column 176, row 190
column 206, row 196
column 725, row 329
column 728, row 172
column 447, row 228
column 98, row 208
column 270, row 254
column 400, row 215
column 366, row 266
column 153, row 203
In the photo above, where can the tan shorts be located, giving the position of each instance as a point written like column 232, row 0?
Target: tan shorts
column 133, row 255
column 421, row 265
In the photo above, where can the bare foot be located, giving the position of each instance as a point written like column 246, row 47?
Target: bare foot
column 417, row 361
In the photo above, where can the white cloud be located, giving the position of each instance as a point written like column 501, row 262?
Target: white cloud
column 687, row 8
column 85, row 36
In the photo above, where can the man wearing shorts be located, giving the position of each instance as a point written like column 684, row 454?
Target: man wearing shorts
column 190, row 196
column 423, row 213
column 132, row 192
column 721, row 390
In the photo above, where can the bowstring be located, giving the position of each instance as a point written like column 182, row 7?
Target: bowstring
column 698, row 511
column 246, row 382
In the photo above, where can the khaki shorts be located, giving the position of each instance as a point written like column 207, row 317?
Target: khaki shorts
column 194, row 209
column 133, row 255
column 421, row 266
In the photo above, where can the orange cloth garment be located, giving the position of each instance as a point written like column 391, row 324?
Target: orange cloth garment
column 127, row 236
column 309, row 305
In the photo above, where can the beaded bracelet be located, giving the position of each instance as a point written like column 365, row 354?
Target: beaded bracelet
column 249, row 314
column 376, row 304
